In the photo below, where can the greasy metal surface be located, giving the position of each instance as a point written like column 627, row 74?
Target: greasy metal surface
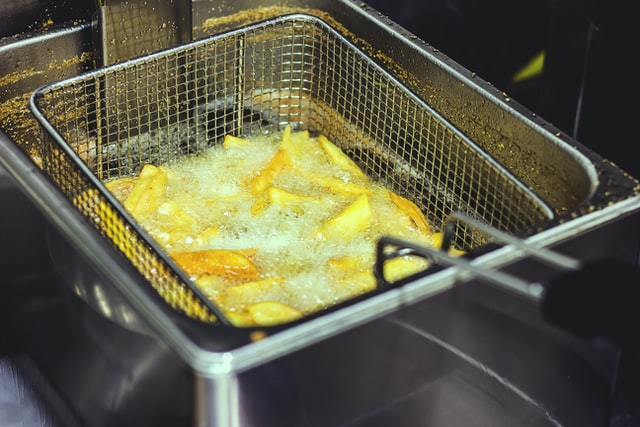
column 132, row 28
column 30, row 61
column 532, row 148
column 601, row 220
column 295, row 71
column 602, row 194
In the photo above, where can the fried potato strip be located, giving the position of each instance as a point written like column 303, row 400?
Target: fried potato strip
column 274, row 236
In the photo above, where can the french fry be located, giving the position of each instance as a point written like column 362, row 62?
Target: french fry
column 338, row 157
column 345, row 264
column 297, row 144
column 149, row 191
column 212, row 285
column 411, row 210
column 282, row 198
column 401, row 267
column 265, row 178
column 346, row 224
column 241, row 295
column 221, row 262
column 231, row 141
column 262, row 202
column 268, row 313
column 359, row 283
column 240, row 318
column 174, row 224
column 437, row 242
column 338, row 186
column 121, row 187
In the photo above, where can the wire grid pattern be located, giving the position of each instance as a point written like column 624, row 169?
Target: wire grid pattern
column 290, row 70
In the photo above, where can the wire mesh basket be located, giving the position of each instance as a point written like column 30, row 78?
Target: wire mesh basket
column 293, row 70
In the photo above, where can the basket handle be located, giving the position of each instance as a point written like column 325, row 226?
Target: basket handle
column 594, row 300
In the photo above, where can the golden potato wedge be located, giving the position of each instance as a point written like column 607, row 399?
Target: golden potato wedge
column 346, row 224
column 338, row 157
column 402, row 267
column 221, row 262
column 267, row 313
column 338, row 186
column 149, row 191
column 241, row 319
column 241, row 295
column 121, row 187
column 411, row 210
column 265, row 177
column 231, row 141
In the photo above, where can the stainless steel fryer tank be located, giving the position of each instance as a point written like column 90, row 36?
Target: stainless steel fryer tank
column 293, row 70
column 596, row 226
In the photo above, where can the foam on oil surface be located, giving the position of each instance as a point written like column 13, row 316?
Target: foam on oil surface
column 212, row 188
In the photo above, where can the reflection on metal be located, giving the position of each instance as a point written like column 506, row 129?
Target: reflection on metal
column 132, row 28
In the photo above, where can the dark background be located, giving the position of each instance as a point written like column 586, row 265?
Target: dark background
column 589, row 85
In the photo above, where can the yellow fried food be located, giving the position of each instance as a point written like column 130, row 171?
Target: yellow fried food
column 347, row 223
column 122, row 187
column 241, row 295
column 338, row 157
column 402, row 267
column 412, row 211
column 437, row 242
column 273, row 227
column 149, row 191
column 231, row 141
column 265, row 178
column 221, row 262
column 282, row 198
column 339, row 186
column 272, row 313
column 359, row 282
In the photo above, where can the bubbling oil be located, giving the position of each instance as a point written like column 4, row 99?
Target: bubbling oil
column 279, row 226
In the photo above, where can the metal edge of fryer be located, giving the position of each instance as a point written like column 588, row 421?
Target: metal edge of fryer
column 211, row 364
column 45, row 124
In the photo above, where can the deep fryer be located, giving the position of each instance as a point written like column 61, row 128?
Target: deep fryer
column 514, row 179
